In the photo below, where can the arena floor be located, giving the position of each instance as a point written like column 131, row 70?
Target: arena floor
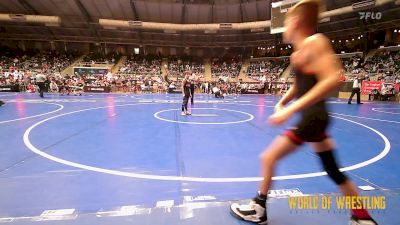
column 133, row 159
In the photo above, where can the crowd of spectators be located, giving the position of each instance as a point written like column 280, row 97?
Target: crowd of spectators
column 141, row 66
column 384, row 65
column 46, row 63
column 262, row 70
column 386, row 61
column 143, row 74
column 138, row 74
column 352, row 65
column 18, row 69
column 177, row 67
column 221, row 67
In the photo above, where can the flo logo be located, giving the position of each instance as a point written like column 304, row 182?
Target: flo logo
column 370, row 15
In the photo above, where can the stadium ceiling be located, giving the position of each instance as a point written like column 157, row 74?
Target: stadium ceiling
column 80, row 21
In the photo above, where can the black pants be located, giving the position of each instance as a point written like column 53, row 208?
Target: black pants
column 41, row 88
column 185, row 102
column 192, row 93
column 311, row 127
column 218, row 94
column 355, row 91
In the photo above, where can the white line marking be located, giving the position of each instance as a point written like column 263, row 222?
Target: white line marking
column 204, row 115
column 366, row 188
column 156, row 115
column 29, row 117
column 31, row 147
column 377, row 110
column 198, row 198
column 284, row 193
column 7, row 95
column 59, row 214
column 128, row 210
column 6, row 219
column 166, row 203
column 367, row 118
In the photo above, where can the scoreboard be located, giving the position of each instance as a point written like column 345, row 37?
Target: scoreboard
column 278, row 13
column 279, row 10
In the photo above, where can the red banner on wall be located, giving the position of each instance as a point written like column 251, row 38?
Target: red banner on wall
column 368, row 86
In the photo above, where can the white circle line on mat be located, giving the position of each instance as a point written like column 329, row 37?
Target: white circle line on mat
column 367, row 118
column 251, row 117
column 379, row 110
column 42, row 114
column 31, row 147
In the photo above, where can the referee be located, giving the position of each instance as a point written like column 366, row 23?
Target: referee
column 193, row 82
column 356, row 89
column 186, row 95
column 40, row 80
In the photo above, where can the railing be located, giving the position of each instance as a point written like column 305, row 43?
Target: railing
column 269, row 58
column 96, row 64
column 349, row 55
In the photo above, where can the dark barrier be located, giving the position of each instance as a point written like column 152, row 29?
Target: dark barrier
column 253, row 91
column 100, row 89
column 90, row 70
column 9, row 88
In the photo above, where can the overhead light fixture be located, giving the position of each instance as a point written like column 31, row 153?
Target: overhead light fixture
column 18, row 17
column 132, row 23
column 225, row 26
column 363, row 5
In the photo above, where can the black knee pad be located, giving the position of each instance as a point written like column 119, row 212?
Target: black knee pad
column 330, row 166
